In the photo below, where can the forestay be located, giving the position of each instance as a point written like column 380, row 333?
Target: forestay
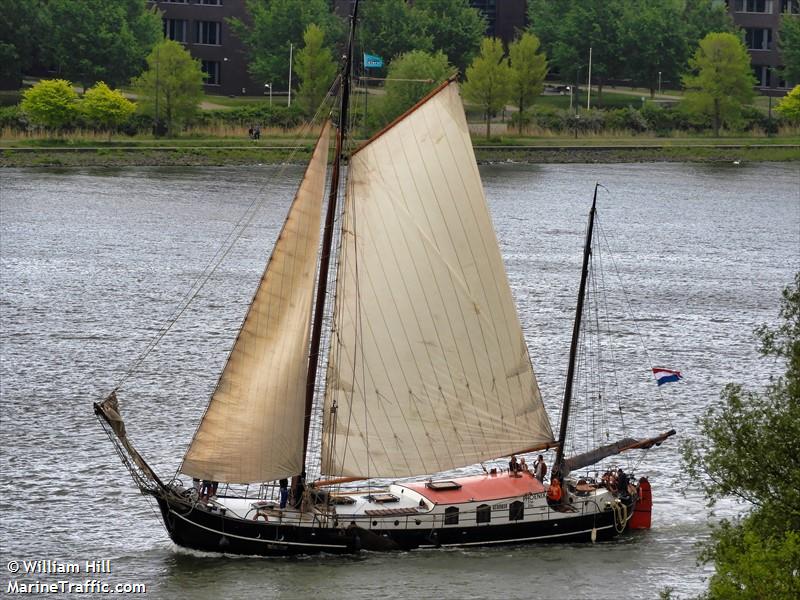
column 253, row 427
column 428, row 368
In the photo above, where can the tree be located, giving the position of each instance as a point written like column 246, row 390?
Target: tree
column 569, row 29
column 489, row 80
column 789, row 106
column 106, row 108
column 401, row 94
column 455, row 28
column 789, row 45
column 22, row 35
column 391, row 27
column 654, row 53
column 315, row 69
column 721, row 81
column 702, row 17
column 528, row 70
column 748, row 449
column 171, row 87
column 97, row 40
column 274, row 25
column 51, row 103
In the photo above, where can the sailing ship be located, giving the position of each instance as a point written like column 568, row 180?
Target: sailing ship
column 426, row 371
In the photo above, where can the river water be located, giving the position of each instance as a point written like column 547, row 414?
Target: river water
column 94, row 261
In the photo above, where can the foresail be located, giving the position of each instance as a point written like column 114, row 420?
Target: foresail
column 253, row 427
column 428, row 368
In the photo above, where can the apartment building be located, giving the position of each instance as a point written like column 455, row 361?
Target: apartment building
column 202, row 27
column 760, row 20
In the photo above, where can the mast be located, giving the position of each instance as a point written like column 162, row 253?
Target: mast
column 327, row 236
column 576, row 331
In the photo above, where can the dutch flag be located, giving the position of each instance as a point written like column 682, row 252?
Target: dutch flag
column 666, row 375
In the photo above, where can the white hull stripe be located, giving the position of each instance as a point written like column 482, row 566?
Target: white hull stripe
column 250, row 539
column 511, row 541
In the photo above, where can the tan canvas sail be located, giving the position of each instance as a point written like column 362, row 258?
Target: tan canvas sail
column 253, row 427
column 428, row 368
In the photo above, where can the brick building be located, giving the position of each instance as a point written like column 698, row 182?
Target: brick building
column 202, row 27
column 760, row 20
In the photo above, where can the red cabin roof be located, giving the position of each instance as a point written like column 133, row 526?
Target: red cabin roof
column 480, row 488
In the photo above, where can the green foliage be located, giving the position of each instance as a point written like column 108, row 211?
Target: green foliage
column 748, row 449
column 274, row 25
column 106, row 108
column 702, row 17
column 262, row 114
column 51, row 103
column 389, row 28
column 789, row 45
column 568, row 29
column 23, row 27
column 171, row 87
column 528, row 70
column 97, row 40
column 752, row 565
column 315, row 69
column 721, row 81
column 455, row 28
column 629, row 39
column 401, row 95
column 789, row 106
column 650, row 47
column 489, row 80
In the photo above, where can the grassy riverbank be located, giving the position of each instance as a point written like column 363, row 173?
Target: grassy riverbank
column 122, row 151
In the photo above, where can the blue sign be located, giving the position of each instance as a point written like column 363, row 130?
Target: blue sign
column 372, row 62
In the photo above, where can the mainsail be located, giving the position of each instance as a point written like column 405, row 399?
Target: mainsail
column 253, row 427
column 428, row 368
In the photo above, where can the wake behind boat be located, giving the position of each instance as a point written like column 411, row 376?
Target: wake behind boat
column 427, row 371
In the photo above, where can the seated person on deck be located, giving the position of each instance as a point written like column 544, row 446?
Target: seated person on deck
column 554, row 492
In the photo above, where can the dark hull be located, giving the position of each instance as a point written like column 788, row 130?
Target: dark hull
column 197, row 528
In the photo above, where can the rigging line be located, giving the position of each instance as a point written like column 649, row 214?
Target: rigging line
column 222, row 251
column 636, row 328
column 607, row 315
column 598, row 294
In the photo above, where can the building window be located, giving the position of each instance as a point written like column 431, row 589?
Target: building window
column 175, row 29
column 791, row 7
column 762, row 75
column 208, row 32
column 758, row 38
column 753, row 6
column 483, row 514
column 211, row 69
column 451, row 515
column 516, row 511
column 211, row 2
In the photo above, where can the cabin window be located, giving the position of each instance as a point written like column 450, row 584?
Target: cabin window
column 451, row 515
column 516, row 511
column 483, row 514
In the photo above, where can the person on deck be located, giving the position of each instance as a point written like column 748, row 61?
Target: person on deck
column 513, row 466
column 554, row 492
column 540, row 468
column 284, row 492
column 523, row 466
column 622, row 483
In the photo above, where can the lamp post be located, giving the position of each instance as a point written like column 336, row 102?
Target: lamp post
column 269, row 85
column 569, row 87
column 659, row 83
column 291, row 47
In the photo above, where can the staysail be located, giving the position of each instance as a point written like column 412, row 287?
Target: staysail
column 253, row 427
column 428, row 368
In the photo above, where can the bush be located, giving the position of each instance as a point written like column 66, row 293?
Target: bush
column 13, row 117
column 262, row 114
column 51, row 103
